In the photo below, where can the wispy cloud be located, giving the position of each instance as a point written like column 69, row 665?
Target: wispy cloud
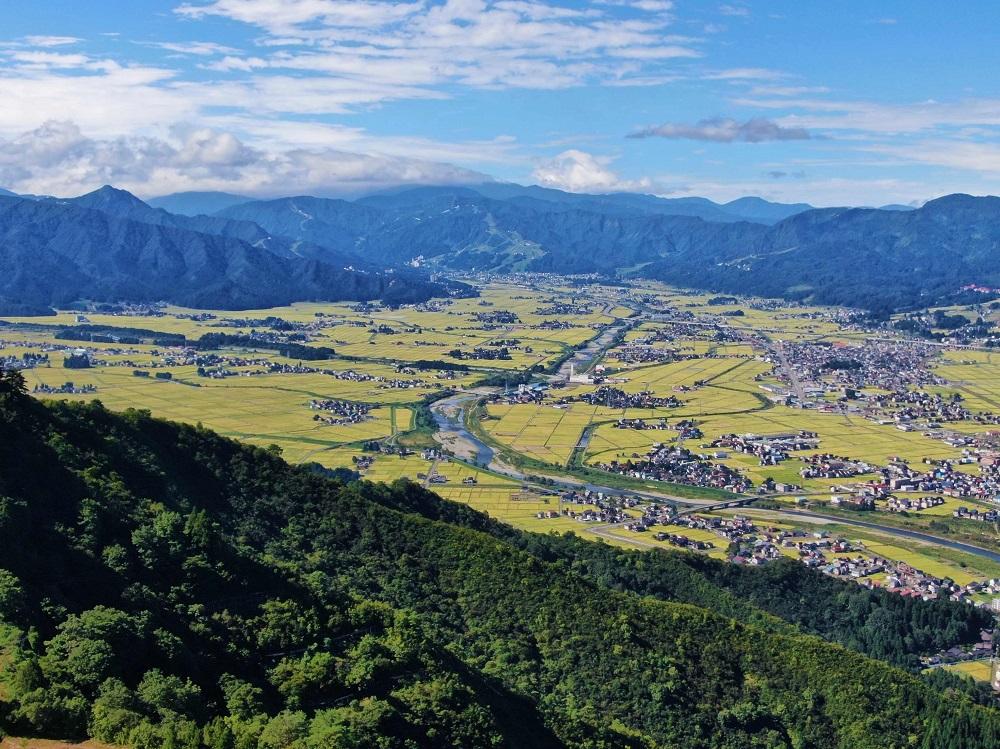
column 501, row 44
column 734, row 10
column 745, row 74
column 724, row 130
column 782, row 174
column 879, row 118
column 35, row 40
column 204, row 49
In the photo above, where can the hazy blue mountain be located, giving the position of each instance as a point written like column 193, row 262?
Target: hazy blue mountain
column 123, row 204
column 763, row 211
column 897, row 207
column 196, row 203
column 55, row 252
column 336, row 224
column 7, row 193
column 461, row 228
column 743, row 209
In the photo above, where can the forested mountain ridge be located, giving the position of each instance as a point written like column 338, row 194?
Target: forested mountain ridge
column 866, row 257
column 876, row 259
column 111, row 247
column 163, row 586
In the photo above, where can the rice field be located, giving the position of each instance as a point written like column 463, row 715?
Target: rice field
column 270, row 409
column 980, row 670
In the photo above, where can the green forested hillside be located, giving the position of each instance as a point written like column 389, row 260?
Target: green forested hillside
column 163, row 586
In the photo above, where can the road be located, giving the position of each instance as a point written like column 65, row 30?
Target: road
column 790, row 372
column 606, row 531
column 583, row 357
column 880, row 338
column 902, row 532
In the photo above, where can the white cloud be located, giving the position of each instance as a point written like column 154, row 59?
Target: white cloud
column 104, row 97
column 579, row 171
column 58, row 158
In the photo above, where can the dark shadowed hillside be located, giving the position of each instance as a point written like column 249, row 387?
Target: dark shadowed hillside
column 110, row 247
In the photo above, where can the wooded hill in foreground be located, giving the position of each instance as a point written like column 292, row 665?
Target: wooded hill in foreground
column 162, row 586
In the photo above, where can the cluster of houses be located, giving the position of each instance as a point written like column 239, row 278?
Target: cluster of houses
column 612, row 397
column 554, row 325
column 337, row 412
column 955, row 654
column 484, row 353
column 679, row 465
column 835, row 556
column 27, row 360
column 829, row 466
column 893, row 366
column 910, row 406
column 270, row 322
column 641, row 424
column 563, row 308
column 770, row 449
column 598, row 507
column 497, row 318
column 363, row 462
column 67, row 388
column 897, row 504
column 729, row 528
column 683, row 542
column 942, row 478
column 645, row 353
column 987, row 516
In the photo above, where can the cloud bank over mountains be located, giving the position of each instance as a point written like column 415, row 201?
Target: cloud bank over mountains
column 58, row 158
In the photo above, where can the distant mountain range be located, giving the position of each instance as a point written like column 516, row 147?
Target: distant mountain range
column 879, row 259
column 197, row 203
column 252, row 253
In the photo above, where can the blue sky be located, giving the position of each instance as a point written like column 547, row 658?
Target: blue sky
column 831, row 103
